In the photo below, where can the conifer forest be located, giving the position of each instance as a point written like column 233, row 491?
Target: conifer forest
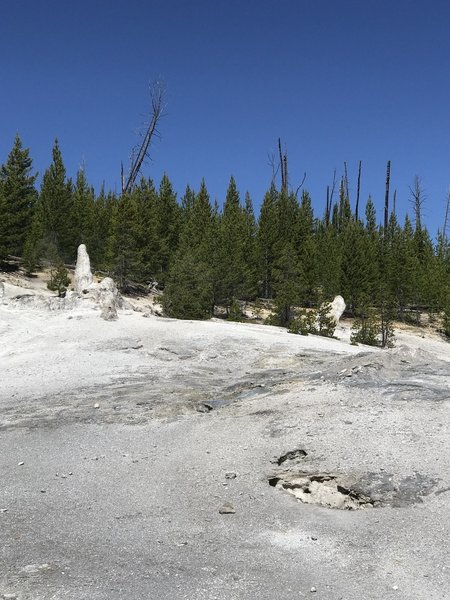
column 201, row 255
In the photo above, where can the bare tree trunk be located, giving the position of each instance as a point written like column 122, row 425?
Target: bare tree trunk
column 394, row 203
column 417, row 200
column 447, row 209
column 386, row 197
column 283, row 167
column 357, row 192
column 157, row 97
column 346, row 182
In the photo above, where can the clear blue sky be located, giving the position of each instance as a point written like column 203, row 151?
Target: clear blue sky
column 337, row 81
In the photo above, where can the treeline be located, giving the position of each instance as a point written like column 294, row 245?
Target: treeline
column 203, row 256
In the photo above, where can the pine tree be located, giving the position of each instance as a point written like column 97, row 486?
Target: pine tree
column 168, row 223
column 231, row 251
column 266, row 240
column 288, row 278
column 306, row 247
column 83, row 212
column 17, row 200
column 52, row 233
column 189, row 290
column 128, row 241
column 250, row 250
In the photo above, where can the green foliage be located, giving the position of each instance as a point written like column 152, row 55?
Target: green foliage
column 326, row 324
column 305, row 323
column 387, row 314
column 203, row 256
column 17, row 200
column 446, row 319
column 59, row 279
column 52, row 227
column 189, row 290
column 265, row 241
column 366, row 329
column 235, row 312
column 231, row 259
column 315, row 322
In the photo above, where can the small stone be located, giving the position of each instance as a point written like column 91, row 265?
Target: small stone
column 395, row 587
column 43, row 491
column 313, row 589
column 21, row 463
column 227, row 509
column 96, row 405
column 230, row 475
column 9, row 596
column 314, row 539
column 4, row 510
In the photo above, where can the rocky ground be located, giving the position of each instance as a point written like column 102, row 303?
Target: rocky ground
column 162, row 459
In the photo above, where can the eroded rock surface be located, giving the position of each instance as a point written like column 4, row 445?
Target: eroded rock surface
column 83, row 275
column 337, row 308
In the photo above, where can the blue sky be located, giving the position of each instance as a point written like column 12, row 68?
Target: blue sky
column 337, row 81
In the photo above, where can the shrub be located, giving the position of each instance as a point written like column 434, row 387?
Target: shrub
column 366, row 329
column 59, row 280
column 304, row 324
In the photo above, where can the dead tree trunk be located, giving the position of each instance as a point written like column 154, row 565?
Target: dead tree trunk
column 358, row 188
column 417, row 200
column 447, row 209
column 347, row 194
column 157, row 97
column 386, row 197
column 283, row 168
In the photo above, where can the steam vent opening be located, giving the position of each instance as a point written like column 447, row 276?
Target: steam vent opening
column 323, row 490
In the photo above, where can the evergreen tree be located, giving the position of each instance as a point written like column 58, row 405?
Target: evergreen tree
column 83, row 211
column 168, row 223
column 306, row 248
column 52, row 233
column 231, row 251
column 17, row 200
column 329, row 259
column 266, row 240
column 250, row 249
column 288, row 278
column 189, row 291
column 128, row 241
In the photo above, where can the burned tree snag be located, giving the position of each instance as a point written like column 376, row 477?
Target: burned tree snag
column 358, row 189
column 417, row 200
column 346, row 190
column 447, row 209
column 138, row 156
column 386, row 197
column 283, row 168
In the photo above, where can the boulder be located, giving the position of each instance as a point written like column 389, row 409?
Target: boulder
column 83, row 275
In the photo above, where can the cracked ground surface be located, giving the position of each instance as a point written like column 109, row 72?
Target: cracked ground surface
column 120, row 442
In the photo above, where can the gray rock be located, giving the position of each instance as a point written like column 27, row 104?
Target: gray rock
column 227, row 509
